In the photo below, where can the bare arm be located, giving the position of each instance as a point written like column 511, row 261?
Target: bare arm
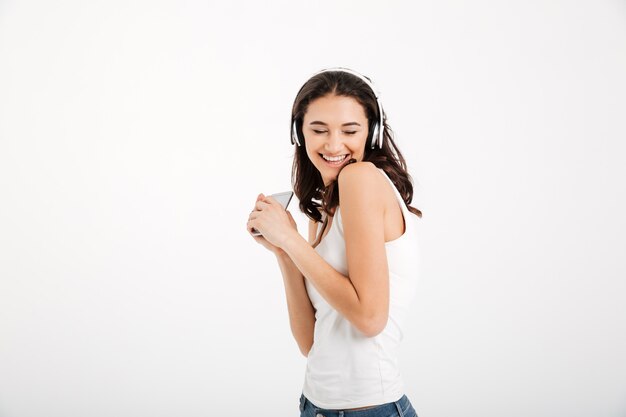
column 301, row 311
column 363, row 297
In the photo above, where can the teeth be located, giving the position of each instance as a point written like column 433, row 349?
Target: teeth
column 334, row 158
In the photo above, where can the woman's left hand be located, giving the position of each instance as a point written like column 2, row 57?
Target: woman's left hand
column 274, row 222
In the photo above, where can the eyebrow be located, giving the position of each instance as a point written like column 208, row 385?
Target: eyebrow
column 317, row 122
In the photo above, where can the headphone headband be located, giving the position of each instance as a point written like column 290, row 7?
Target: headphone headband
column 378, row 129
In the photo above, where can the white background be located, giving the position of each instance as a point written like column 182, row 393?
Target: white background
column 135, row 136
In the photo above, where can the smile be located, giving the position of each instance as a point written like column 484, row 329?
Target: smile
column 334, row 160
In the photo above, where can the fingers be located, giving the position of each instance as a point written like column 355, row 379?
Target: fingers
column 262, row 202
column 270, row 200
column 260, row 205
column 250, row 226
column 254, row 214
column 262, row 199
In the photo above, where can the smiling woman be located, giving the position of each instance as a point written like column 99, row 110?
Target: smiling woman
column 349, row 287
column 335, row 128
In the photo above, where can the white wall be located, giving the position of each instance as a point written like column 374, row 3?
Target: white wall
column 135, row 136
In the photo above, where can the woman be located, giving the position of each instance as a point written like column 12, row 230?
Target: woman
column 349, row 287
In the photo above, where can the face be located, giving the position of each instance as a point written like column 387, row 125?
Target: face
column 335, row 130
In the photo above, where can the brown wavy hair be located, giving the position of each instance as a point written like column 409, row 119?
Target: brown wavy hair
column 306, row 180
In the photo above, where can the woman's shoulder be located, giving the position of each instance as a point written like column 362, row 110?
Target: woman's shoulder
column 363, row 172
column 363, row 183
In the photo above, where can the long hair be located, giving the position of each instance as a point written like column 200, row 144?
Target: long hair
column 305, row 178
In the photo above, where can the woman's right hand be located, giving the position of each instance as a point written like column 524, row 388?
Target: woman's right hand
column 261, row 240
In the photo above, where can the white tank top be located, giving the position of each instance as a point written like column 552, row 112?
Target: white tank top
column 346, row 369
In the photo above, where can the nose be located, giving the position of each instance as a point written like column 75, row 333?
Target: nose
column 334, row 143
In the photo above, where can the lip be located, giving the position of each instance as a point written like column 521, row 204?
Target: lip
column 336, row 164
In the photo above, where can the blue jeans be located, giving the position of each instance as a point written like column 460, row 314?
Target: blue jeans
column 400, row 408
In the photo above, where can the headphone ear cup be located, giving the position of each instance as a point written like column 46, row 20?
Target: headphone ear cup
column 373, row 136
column 295, row 135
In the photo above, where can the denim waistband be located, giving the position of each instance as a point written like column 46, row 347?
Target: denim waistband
column 380, row 410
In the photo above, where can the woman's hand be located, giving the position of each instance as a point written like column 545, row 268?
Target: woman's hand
column 273, row 221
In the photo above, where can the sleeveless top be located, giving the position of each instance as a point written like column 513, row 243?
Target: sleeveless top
column 346, row 369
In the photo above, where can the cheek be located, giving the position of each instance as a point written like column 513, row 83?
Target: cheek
column 358, row 146
column 311, row 153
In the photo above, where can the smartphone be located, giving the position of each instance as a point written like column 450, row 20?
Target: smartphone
column 284, row 199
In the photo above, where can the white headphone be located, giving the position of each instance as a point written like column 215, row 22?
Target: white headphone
column 378, row 129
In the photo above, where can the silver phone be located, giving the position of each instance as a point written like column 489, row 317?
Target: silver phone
column 284, row 199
